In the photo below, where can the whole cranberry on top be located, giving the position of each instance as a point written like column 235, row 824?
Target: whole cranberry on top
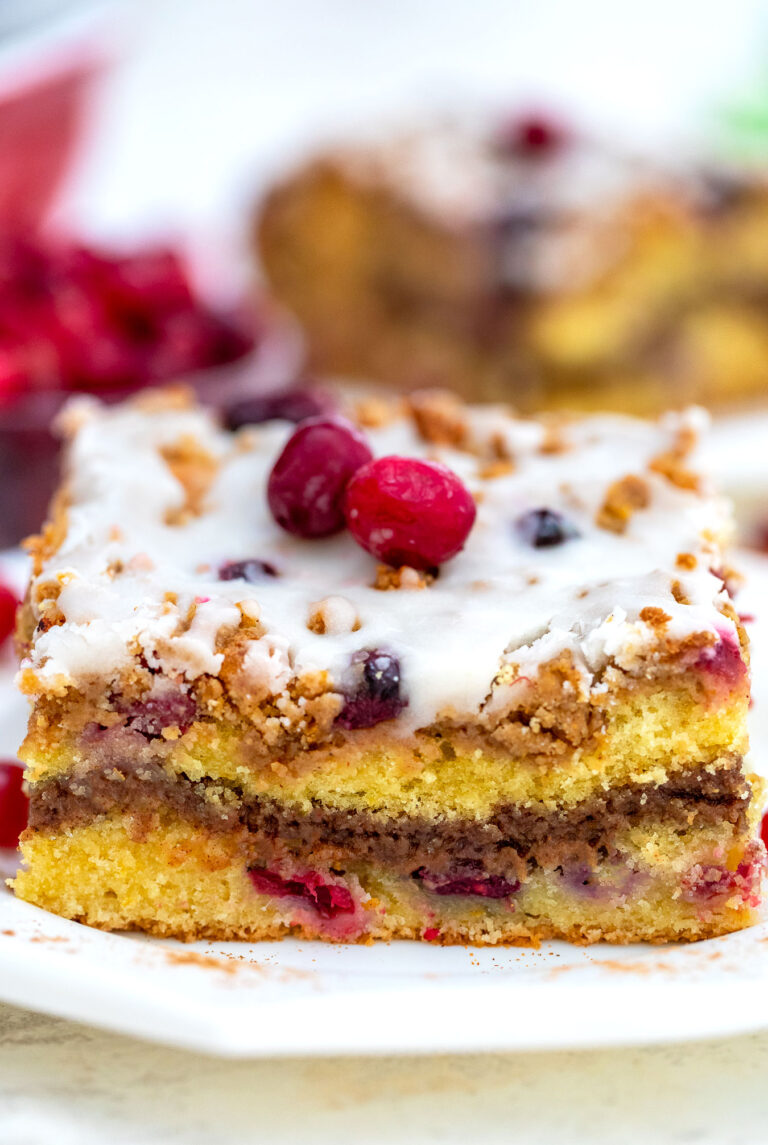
column 306, row 487
column 406, row 511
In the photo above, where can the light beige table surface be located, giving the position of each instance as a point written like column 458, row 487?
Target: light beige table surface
column 70, row 1085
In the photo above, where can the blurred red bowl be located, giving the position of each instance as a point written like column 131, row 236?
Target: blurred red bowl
column 39, row 129
column 51, row 52
column 29, row 445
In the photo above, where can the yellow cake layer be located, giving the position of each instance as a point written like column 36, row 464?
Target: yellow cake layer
column 649, row 738
column 175, row 881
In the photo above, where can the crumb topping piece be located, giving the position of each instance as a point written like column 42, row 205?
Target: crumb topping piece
column 624, row 497
column 405, row 577
column 333, row 616
column 440, row 417
column 194, row 469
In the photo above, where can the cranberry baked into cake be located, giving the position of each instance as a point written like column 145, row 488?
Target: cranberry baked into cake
column 527, row 263
column 440, row 674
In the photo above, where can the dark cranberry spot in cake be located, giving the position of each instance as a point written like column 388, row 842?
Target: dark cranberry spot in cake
column 328, row 899
column 377, row 695
column 8, row 605
column 613, row 884
column 764, row 829
column 431, row 934
column 723, row 660
column 14, row 805
column 544, row 528
column 532, row 136
column 296, row 404
column 406, row 511
column 487, row 886
column 306, row 487
column 581, row 878
column 251, row 570
column 164, row 709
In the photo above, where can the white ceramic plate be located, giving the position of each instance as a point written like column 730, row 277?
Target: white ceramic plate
column 292, row 997
column 297, row 998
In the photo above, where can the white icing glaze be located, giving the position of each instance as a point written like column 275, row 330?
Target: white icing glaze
column 498, row 602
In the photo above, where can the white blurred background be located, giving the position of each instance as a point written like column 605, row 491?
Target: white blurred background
column 207, row 96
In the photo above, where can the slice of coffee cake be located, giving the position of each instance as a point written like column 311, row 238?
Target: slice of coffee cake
column 441, row 674
column 521, row 260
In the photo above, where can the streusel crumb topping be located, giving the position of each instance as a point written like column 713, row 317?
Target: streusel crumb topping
column 163, row 558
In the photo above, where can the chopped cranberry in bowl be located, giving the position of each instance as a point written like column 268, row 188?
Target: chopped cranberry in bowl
column 14, row 804
column 76, row 318
column 9, row 603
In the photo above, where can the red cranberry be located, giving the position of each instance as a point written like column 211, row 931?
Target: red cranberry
column 487, row 886
column 167, row 709
column 377, row 696
column 328, row 899
column 251, row 570
column 195, row 339
column 8, row 605
column 306, row 486
column 759, row 538
column 543, row 528
column 14, row 805
column 14, row 374
column 409, row 512
column 294, row 405
column 533, row 136
column 764, row 829
column 79, row 319
column 706, row 882
column 723, row 661
column 156, row 275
